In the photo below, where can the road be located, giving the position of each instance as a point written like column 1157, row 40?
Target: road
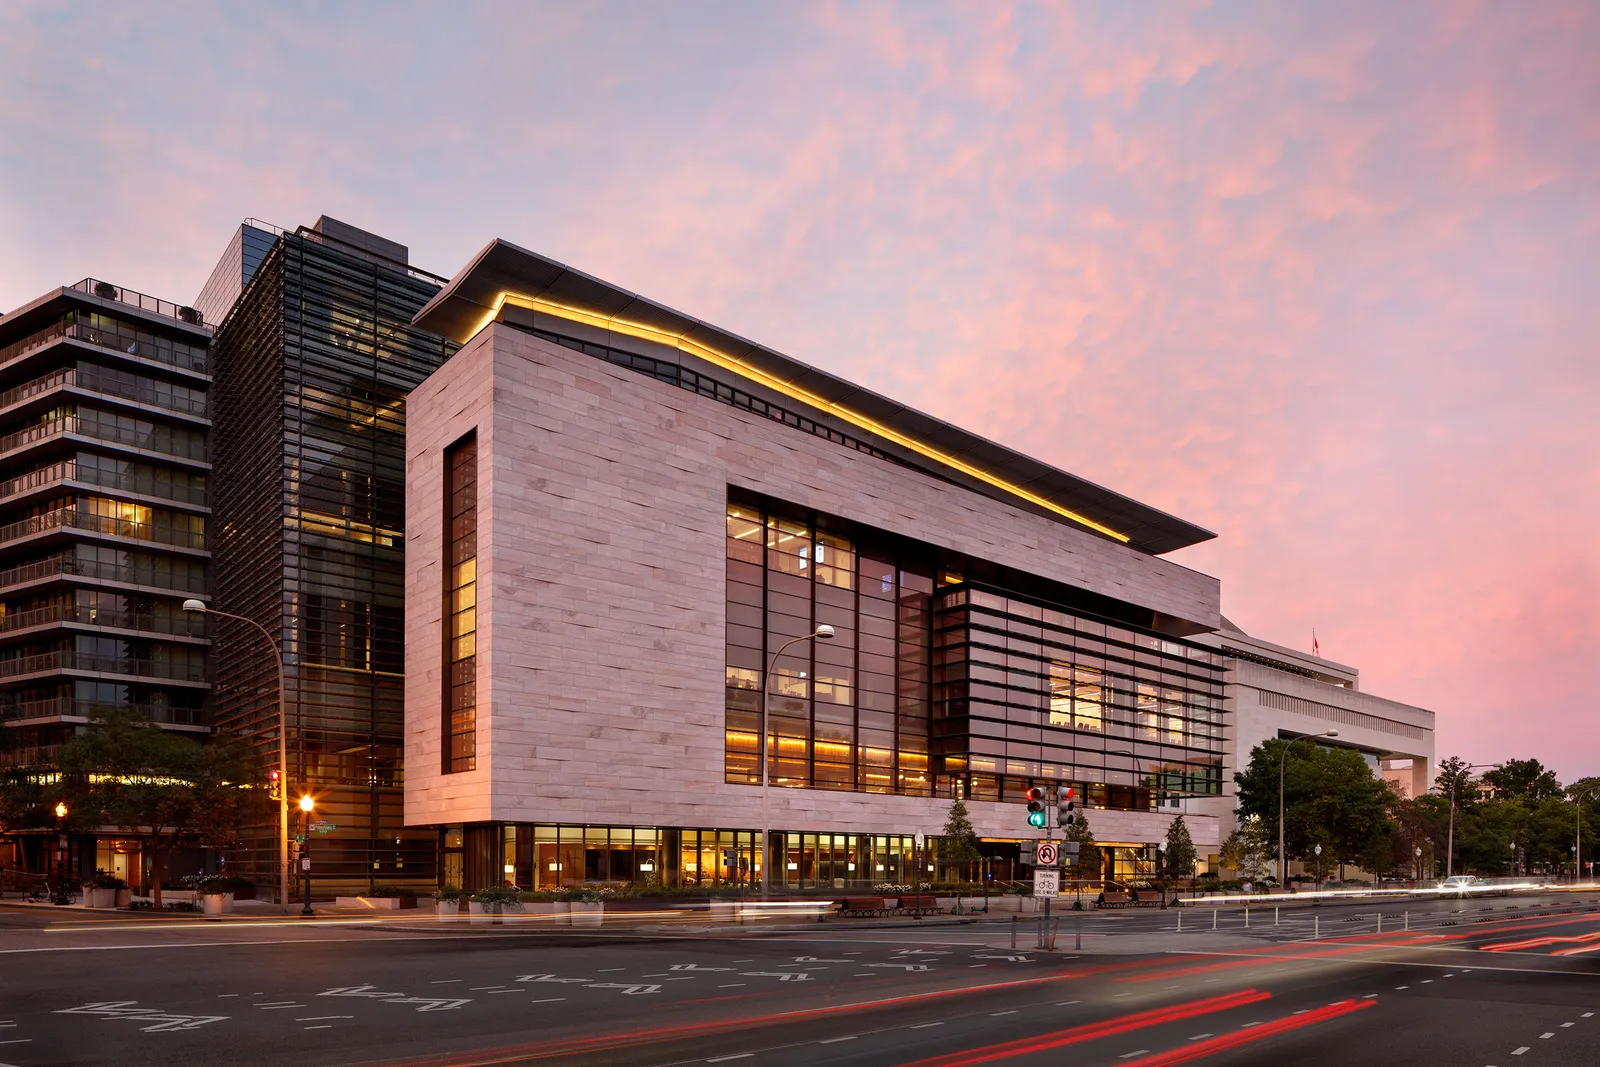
column 1476, row 983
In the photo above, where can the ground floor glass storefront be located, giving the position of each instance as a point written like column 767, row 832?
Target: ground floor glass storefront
column 544, row 857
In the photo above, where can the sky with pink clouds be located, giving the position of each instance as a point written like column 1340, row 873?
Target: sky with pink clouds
column 1322, row 278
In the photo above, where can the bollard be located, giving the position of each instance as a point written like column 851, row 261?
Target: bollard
column 1214, row 918
column 1014, row 931
column 1407, row 917
column 1247, row 916
column 1275, row 915
column 1180, row 920
column 1380, row 922
column 1316, row 927
column 1077, row 933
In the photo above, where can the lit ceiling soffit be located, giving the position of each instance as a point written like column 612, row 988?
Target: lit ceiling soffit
column 505, row 274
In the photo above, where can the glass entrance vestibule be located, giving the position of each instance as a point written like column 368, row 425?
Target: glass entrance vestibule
column 543, row 857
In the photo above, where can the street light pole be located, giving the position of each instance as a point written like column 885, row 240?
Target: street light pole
column 1283, row 859
column 821, row 633
column 1450, row 841
column 201, row 607
column 1577, row 849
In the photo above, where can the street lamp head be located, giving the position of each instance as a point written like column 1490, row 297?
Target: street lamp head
column 823, row 633
column 61, row 810
column 306, row 803
column 1329, row 733
column 194, row 605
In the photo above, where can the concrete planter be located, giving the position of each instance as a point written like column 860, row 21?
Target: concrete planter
column 124, row 898
column 99, row 898
column 724, row 911
column 375, row 903
column 216, row 903
column 549, row 912
column 447, row 909
column 584, row 914
column 490, row 914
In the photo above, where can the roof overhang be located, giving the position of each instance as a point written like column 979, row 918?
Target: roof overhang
column 503, row 274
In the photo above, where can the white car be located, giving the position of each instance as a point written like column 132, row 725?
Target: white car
column 1460, row 883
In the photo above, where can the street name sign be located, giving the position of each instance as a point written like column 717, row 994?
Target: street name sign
column 1046, row 883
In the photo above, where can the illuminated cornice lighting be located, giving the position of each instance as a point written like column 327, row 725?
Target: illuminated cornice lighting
column 727, row 362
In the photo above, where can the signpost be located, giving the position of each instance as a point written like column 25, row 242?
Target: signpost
column 1046, row 883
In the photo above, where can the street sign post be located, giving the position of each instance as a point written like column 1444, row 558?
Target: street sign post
column 1046, row 883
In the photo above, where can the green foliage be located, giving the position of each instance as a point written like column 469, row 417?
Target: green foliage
column 126, row 772
column 1247, row 850
column 1180, row 856
column 503, row 895
column 959, row 844
column 1090, row 859
column 448, row 894
column 1523, row 779
column 1331, row 798
column 391, row 892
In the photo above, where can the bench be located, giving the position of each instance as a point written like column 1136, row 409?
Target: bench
column 863, row 906
column 915, row 905
column 1113, row 899
column 1147, row 898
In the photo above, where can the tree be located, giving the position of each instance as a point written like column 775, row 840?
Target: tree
column 1090, row 859
column 166, row 787
column 1523, row 779
column 1247, row 851
column 959, row 844
column 1180, row 854
column 1330, row 795
column 1455, row 780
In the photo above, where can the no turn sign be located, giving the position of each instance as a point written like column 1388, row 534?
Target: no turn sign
column 1047, row 854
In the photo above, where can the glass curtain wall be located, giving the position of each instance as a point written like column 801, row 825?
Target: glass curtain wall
column 313, row 366
column 851, row 713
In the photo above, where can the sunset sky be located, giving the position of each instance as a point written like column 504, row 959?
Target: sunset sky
column 1323, row 278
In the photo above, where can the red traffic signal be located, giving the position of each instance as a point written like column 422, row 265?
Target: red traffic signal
column 275, row 783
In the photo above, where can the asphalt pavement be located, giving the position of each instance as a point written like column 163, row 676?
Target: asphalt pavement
column 1491, row 983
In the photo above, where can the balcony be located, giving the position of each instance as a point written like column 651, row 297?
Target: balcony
column 181, row 625
column 147, row 440
column 69, row 660
column 141, row 392
column 56, row 566
column 128, row 342
column 57, row 707
column 72, row 518
column 140, row 482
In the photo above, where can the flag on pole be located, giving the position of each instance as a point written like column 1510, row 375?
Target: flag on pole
column 1316, row 649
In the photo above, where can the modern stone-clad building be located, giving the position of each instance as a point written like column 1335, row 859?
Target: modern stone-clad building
column 617, row 514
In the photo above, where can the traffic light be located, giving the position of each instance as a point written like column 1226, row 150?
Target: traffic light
column 275, row 784
column 1036, row 806
column 1064, row 806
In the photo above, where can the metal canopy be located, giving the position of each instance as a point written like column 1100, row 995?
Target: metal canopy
column 503, row 271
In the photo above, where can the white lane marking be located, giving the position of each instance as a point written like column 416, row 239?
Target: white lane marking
column 923, row 1026
column 865, row 974
column 1246, row 1026
column 548, row 1000
column 1116, row 996
column 1302, row 1011
column 278, row 1007
column 1547, row 1037
column 663, row 974
column 997, row 1014
column 324, row 1026
column 1586, row 1015
column 220, row 995
column 1427, row 981
column 835, row 1040
column 447, row 981
column 1369, row 996
column 1065, row 1003
column 1565, row 1025
column 1131, row 1055
column 319, row 1018
column 752, row 961
column 608, row 970
column 1400, row 987
column 734, row 985
column 1201, row 1037
column 735, row 1056
column 1519, row 1051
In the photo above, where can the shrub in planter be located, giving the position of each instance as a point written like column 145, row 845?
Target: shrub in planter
column 448, row 894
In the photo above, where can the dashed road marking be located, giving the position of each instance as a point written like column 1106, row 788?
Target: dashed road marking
column 1519, row 1051
column 735, row 1056
column 548, row 1000
column 924, row 1026
column 1201, row 1037
column 1131, row 1055
column 836, row 1040
column 1548, row 1036
column 320, row 1018
column 447, row 981
column 997, row 1014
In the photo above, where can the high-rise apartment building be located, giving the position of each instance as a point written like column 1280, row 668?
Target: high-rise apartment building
column 314, row 360
column 104, row 505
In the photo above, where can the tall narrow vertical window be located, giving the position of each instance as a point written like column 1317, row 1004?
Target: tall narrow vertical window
column 461, row 606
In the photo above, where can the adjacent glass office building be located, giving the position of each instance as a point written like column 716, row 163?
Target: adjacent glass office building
column 314, row 361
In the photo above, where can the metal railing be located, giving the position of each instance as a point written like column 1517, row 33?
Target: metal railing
column 71, row 660
column 182, row 625
column 125, row 342
column 107, row 291
column 181, row 581
column 93, row 709
column 104, row 524
column 142, row 392
column 148, row 440
column 135, row 481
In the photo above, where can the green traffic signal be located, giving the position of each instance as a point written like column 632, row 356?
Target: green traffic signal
column 1036, row 819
